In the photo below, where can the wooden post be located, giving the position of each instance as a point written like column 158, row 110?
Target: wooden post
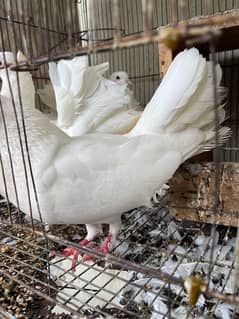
column 165, row 58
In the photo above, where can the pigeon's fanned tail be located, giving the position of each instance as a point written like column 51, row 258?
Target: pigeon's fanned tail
column 185, row 103
column 210, row 142
column 199, row 110
column 185, row 97
column 90, row 79
column 181, row 81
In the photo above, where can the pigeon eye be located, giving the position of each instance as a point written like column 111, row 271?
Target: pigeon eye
column 117, row 77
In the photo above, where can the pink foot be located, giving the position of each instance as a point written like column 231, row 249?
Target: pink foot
column 104, row 248
column 69, row 251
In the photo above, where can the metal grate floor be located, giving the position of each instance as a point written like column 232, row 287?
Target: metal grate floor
column 149, row 238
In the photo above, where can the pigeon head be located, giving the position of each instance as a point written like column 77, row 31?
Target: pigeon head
column 120, row 77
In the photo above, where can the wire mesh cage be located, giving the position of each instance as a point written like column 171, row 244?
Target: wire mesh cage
column 159, row 266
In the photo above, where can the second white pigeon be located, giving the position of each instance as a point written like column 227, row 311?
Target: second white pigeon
column 87, row 102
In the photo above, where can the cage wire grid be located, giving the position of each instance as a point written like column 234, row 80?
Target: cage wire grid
column 25, row 264
column 133, row 286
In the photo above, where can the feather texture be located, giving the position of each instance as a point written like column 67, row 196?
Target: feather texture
column 16, row 85
column 191, row 104
column 87, row 102
column 94, row 178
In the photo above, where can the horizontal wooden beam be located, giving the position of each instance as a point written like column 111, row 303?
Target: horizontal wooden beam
column 226, row 22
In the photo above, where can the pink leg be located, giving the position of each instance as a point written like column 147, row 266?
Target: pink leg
column 70, row 251
column 103, row 248
column 92, row 232
column 114, row 229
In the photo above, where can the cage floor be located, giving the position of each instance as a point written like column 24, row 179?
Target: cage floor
column 34, row 286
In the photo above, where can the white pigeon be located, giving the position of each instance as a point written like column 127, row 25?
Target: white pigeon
column 122, row 78
column 93, row 179
column 111, row 117
column 87, row 102
column 47, row 94
column 111, row 124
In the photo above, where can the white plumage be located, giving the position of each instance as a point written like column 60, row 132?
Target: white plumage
column 22, row 90
column 122, row 78
column 87, row 102
column 94, row 178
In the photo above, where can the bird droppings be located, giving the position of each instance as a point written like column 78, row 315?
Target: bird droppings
column 149, row 237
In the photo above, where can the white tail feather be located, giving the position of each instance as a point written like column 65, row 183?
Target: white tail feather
column 224, row 134
column 200, row 104
column 182, row 80
column 184, row 98
column 184, row 103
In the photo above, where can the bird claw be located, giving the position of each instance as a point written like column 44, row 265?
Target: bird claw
column 87, row 258
column 104, row 248
column 75, row 255
column 69, row 251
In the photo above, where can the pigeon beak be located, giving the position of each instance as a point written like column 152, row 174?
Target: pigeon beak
column 129, row 82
